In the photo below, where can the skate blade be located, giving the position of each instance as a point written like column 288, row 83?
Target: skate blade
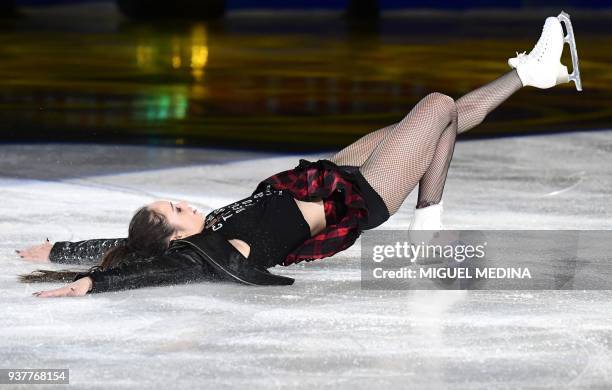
column 570, row 39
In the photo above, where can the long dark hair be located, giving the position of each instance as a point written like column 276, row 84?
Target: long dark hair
column 148, row 235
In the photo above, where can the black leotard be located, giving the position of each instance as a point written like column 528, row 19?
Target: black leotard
column 270, row 222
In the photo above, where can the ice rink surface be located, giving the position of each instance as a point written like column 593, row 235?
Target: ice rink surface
column 323, row 332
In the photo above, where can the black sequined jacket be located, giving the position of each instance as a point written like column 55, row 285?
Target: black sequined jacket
column 201, row 257
column 82, row 252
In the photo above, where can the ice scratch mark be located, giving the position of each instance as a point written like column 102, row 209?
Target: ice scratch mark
column 580, row 178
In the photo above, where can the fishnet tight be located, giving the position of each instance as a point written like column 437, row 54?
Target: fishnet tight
column 419, row 148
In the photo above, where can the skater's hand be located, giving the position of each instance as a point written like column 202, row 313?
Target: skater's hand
column 74, row 289
column 36, row 253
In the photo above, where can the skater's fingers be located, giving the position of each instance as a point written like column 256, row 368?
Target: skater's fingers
column 26, row 255
column 44, row 294
column 24, row 252
column 35, row 254
column 74, row 289
column 58, row 292
column 51, row 294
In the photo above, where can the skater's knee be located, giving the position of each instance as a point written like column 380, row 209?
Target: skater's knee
column 442, row 100
column 443, row 103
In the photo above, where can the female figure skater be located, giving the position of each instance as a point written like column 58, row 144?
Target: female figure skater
column 312, row 211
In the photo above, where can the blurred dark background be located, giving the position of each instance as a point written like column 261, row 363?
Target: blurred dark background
column 291, row 75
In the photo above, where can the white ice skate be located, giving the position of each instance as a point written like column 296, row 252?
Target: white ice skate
column 427, row 221
column 542, row 67
column 571, row 41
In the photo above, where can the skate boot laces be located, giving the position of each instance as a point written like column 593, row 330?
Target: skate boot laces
column 541, row 48
column 521, row 57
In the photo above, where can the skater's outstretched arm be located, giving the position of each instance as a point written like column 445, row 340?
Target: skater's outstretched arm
column 178, row 267
column 83, row 252
column 67, row 252
column 206, row 256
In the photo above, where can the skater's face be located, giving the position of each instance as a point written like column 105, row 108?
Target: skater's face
column 185, row 219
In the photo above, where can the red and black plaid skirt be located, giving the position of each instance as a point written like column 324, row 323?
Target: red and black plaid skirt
column 343, row 189
column 377, row 212
column 351, row 204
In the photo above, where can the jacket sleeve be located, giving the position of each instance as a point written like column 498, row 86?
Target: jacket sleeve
column 82, row 252
column 176, row 267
